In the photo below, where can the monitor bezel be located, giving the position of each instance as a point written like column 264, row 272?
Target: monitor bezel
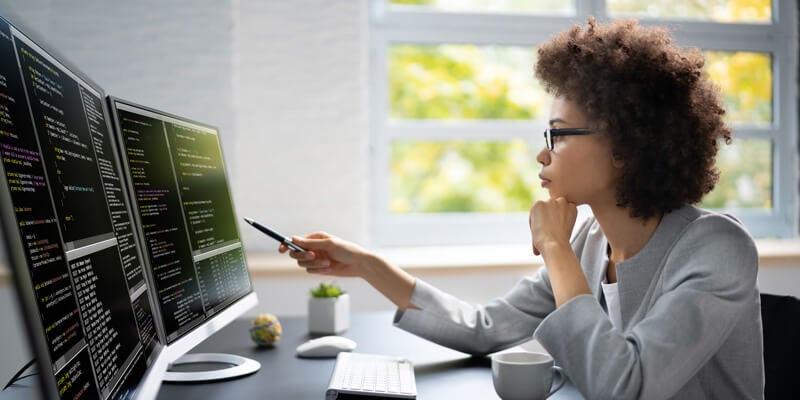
column 182, row 344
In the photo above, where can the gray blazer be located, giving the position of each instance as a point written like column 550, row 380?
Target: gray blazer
column 691, row 318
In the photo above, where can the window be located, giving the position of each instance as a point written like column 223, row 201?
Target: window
column 456, row 113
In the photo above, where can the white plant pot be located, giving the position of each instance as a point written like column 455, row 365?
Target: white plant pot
column 329, row 315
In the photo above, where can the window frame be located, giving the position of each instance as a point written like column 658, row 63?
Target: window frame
column 390, row 25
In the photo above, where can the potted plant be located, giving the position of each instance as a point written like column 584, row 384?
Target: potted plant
column 328, row 309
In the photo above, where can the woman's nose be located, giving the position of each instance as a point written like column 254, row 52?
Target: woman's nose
column 543, row 157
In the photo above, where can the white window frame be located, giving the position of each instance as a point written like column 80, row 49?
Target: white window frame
column 389, row 25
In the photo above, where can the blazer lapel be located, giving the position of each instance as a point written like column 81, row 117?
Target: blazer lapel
column 638, row 276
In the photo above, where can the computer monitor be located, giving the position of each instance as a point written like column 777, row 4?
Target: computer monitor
column 67, row 231
column 185, row 216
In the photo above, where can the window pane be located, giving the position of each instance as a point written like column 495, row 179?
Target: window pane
column 746, row 83
column 464, row 82
column 499, row 6
column 735, row 11
column 746, row 176
column 459, row 176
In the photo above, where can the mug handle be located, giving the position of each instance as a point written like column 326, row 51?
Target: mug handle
column 558, row 371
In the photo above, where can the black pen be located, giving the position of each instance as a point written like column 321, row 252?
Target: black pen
column 275, row 235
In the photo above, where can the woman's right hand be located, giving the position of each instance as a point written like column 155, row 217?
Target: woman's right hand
column 329, row 255
column 326, row 254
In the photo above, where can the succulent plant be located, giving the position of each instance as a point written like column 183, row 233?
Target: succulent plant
column 326, row 290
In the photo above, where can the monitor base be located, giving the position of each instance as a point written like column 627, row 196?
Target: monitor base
column 239, row 366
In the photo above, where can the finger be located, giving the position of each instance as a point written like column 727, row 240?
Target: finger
column 314, row 264
column 321, row 271
column 302, row 255
column 282, row 248
column 534, row 210
column 530, row 218
column 318, row 235
column 313, row 243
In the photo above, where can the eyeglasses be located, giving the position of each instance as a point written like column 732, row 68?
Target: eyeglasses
column 550, row 134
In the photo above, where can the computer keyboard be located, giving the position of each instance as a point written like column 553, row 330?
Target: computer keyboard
column 361, row 376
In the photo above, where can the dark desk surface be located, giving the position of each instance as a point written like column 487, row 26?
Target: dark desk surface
column 441, row 373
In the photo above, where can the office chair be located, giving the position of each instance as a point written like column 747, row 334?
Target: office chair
column 780, row 318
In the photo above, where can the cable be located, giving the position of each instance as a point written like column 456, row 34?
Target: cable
column 17, row 376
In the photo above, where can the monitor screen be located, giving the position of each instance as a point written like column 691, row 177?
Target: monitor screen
column 67, row 225
column 185, row 214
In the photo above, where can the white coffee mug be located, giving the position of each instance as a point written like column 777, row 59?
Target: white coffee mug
column 524, row 375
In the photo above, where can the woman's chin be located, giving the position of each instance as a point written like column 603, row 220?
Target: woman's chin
column 554, row 194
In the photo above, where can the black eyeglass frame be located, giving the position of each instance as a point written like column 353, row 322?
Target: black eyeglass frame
column 551, row 133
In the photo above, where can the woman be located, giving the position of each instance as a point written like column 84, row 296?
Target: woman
column 651, row 298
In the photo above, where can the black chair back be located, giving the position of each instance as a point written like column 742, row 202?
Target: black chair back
column 780, row 318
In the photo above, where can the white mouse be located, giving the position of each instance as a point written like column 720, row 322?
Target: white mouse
column 326, row 346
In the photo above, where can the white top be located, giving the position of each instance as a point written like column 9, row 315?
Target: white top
column 611, row 293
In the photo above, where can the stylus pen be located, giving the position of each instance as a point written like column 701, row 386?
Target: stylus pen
column 275, row 235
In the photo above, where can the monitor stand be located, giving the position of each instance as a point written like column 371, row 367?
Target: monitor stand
column 237, row 366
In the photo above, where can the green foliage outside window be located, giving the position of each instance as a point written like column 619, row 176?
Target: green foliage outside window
column 745, row 80
column 747, row 11
column 464, row 82
column 460, row 176
column 746, row 180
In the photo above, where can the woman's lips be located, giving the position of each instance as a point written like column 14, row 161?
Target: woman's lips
column 545, row 181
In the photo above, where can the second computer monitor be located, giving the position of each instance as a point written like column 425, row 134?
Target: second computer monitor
column 183, row 206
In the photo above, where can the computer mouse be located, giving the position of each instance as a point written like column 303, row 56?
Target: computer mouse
column 325, row 347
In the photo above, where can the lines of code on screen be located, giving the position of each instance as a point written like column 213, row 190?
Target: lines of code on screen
column 187, row 216
column 204, row 189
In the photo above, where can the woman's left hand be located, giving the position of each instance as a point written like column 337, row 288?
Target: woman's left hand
column 551, row 222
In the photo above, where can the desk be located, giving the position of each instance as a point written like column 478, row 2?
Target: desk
column 441, row 373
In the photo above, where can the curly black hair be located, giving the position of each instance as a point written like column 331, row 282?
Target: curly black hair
column 660, row 110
